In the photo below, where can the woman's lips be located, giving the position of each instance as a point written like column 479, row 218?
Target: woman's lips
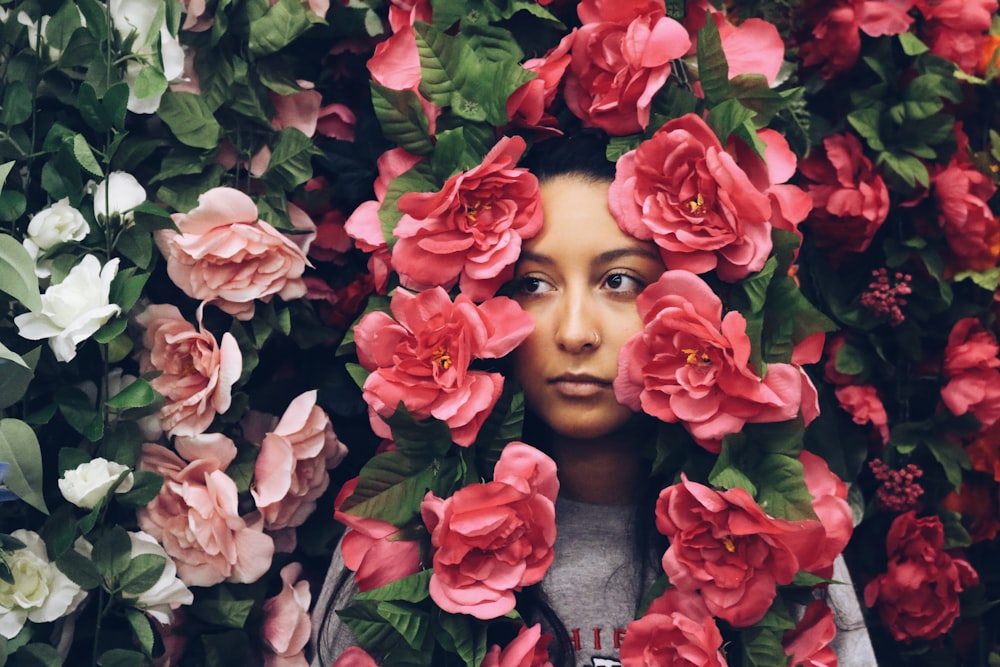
column 579, row 386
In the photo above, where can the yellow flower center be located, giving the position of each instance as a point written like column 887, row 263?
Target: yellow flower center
column 696, row 358
column 697, row 205
column 471, row 211
column 729, row 544
column 441, row 356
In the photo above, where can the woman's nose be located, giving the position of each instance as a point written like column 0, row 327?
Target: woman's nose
column 578, row 327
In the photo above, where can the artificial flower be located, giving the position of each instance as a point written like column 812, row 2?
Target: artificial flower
column 677, row 628
column 59, row 223
column 808, row 643
column 528, row 649
column 87, row 484
column 117, row 195
column 287, row 625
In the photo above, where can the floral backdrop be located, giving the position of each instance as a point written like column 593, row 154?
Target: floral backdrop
column 250, row 258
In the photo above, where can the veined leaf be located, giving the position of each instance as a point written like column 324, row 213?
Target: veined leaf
column 17, row 273
column 283, row 22
column 713, row 69
column 19, row 448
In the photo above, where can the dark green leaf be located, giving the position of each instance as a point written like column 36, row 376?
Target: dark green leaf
column 38, row 655
column 419, row 439
column 16, row 102
column 408, row 589
column 112, row 553
column 142, row 573
column 79, row 568
column 290, row 163
column 283, row 22
column 465, row 637
column 145, row 486
column 392, row 485
column 713, row 70
column 402, row 118
column 142, row 630
column 19, row 448
column 189, row 118
column 119, row 657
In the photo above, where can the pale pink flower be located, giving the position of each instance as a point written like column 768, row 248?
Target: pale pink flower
column 287, row 626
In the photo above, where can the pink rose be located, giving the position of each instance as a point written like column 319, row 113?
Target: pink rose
column 972, row 367
column 752, row 46
column 850, row 201
column 225, row 255
column 691, row 365
column 528, row 106
column 197, row 374
column 676, row 629
column 529, row 649
column 355, row 657
column 470, row 231
column 337, row 121
column 621, row 58
column 829, row 503
column 194, row 16
column 196, row 514
column 835, row 41
column 683, row 191
column 364, row 225
column 421, row 358
column 489, row 540
column 287, row 626
column 862, row 402
column 808, row 643
column 918, row 594
column 372, row 548
column 723, row 544
column 291, row 469
column 299, row 110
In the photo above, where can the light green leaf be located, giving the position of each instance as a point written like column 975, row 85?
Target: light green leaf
column 84, row 155
column 279, row 27
column 150, row 82
column 408, row 589
column 16, row 374
column 989, row 279
column 291, row 156
column 189, row 118
column 19, row 448
column 142, row 629
column 17, row 273
column 139, row 394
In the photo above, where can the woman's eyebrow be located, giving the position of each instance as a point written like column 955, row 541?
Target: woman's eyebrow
column 619, row 253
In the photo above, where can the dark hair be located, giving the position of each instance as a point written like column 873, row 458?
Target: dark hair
column 581, row 154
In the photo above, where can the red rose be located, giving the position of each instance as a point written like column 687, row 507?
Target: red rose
column 808, row 643
column 470, row 231
column 529, row 649
column 973, row 371
column 422, row 358
column 372, row 548
column 955, row 29
column 681, row 189
column 489, row 540
column 692, row 365
column 918, row 594
column 676, row 629
column 850, row 201
column 835, row 41
column 829, row 494
column 528, row 105
column 862, row 402
column 621, row 58
column 723, row 544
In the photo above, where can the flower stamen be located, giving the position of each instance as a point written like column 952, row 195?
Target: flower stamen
column 440, row 356
column 728, row 543
column 696, row 358
column 696, row 205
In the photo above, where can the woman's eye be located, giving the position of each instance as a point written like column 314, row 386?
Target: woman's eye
column 533, row 285
column 623, row 282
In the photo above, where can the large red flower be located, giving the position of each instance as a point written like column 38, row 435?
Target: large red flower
column 808, row 643
column 492, row 539
column 421, row 359
column 692, row 365
column 621, row 58
column 723, row 544
column 918, row 594
column 470, row 231
column 972, row 367
column 677, row 629
column 681, row 189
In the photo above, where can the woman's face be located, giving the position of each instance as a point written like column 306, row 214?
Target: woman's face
column 579, row 279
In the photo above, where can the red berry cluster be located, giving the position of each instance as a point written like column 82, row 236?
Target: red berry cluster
column 899, row 491
column 886, row 298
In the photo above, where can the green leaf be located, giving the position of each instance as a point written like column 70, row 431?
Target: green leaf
column 417, row 179
column 38, row 655
column 139, row 394
column 279, row 27
column 713, row 70
column 725, row 474
column 79, row 568
column 142, row 573
column 126, row 288
column 225, row 610
column 16, row 101
column 411, row 622
column 142, row 630
column 145, row 486
column 136, row 244
column 17, row 273
column 951, row 456
column 16, row 374
column 189, row 118
column 989, row 279
column 19, row 448
column 866, row 123
column 466, row 637
column 151, row 82
column 755, row 286
column 371, row 629
column 912, row 46
column 112, row 553
column 392, row 485
column 419, row 439
column 291, row 156
column 906, row 168
column 119, row 657
column 408, row 589
column 85, row 156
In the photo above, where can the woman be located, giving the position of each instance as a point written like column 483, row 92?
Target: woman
column 579, row 278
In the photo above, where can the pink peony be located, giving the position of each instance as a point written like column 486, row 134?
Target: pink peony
column 683, row 191
column 835, row 42
column 286, row 627
column 528, row 106
column 620, row 59
column 355, row 657
column 918, row 594
column 196, row 514
column 364, row 225
column 850, row 201
column 752, row 46
column 829, row 503
column 224, row 254
column 299, row 110
column 291, row 469
column 723, row 544
column 372, row 548
column 529, row 649
column 489, row 540
column 422, row 358
column 862, row 402
column 676, row 629
column 972, row 367
column 808, row 643
column 691, row 365
column 197, row 374
column 470, row 231
column 955, row 29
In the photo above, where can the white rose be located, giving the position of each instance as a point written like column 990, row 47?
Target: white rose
column 59, row 223
column 34, row 30
column 145, row 20
column 40, row 593
column 87, row 484
column 118, row 194
column 74, row 309
column 169, row 592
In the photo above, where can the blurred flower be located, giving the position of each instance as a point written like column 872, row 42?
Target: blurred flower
column 286, row 627
column 142, row 23
column 40, row 592
column 72, row 311
column 808, row 643
column 528, row 649
column 87, row 484
column 835, row 42
column 862, row 402
column 972, row 368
